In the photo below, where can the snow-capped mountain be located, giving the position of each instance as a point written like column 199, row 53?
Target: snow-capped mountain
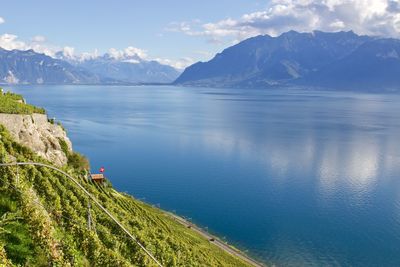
column 30, row 67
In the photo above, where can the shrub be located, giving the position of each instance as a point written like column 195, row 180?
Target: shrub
column 64, row 146
column 78, row 161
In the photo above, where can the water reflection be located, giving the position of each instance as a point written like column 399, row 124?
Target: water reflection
column 347, row 151
column 351, row 155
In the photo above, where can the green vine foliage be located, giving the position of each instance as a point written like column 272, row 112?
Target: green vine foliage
column 14, row 104
column 43, row 222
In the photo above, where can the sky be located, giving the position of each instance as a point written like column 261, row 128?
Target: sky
column 178, row 32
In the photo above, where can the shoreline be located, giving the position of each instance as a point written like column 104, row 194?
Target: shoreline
column 214, row 240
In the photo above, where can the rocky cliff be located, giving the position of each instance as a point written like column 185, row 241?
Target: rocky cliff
column 37, row 133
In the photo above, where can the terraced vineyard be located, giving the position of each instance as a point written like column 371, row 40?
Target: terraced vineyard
column 43, row 221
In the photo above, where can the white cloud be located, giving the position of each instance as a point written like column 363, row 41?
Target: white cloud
column 337, row 24
column 128, row 52
column 185, row 27
column 39, row 44
column 1, row 20
column 89, row 55
column 373, row 17
column 10, row 42
column 133, row 51
column 114, row 53
column 68, row 52
column 46, row 49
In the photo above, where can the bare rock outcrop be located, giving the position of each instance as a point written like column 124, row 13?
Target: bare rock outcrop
column 37, row 133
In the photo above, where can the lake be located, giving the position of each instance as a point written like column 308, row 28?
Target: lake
column 294, row 177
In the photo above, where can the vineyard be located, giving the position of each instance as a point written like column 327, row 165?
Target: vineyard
column 43, row 221
column 14, row 104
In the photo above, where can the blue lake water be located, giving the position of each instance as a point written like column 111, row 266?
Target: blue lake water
column 297, row 178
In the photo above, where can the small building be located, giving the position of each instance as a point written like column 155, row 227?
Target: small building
column 97, row 177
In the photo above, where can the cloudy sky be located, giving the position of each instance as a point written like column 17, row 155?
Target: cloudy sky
column 179, row 32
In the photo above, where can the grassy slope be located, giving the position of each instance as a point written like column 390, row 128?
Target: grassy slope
column 13, row 104
column 43, row 221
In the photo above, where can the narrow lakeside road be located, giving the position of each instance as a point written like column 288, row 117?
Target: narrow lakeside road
column 216, row 241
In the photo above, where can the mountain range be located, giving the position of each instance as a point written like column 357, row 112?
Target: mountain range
column 130, row 69
column 339, row 60
column 321, row 59
column 30, row 67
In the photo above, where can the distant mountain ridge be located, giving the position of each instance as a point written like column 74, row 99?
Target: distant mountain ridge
column 30, row 67
column 130, row 70
column 340, row 59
